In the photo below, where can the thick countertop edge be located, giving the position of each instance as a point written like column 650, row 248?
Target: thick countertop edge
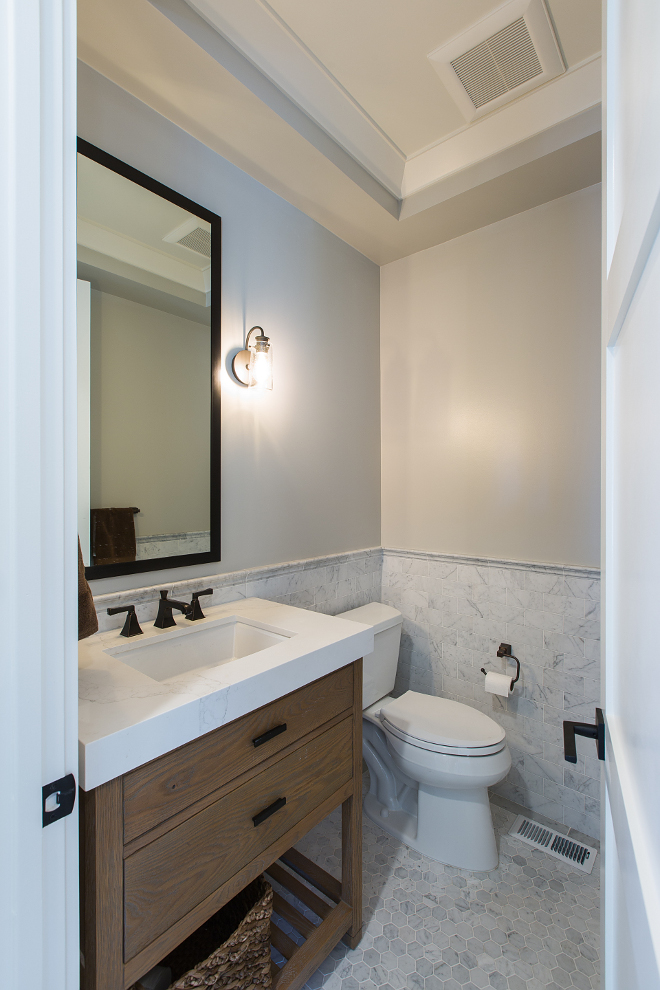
column 112, row 755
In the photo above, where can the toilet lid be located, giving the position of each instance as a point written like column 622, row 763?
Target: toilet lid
column 438, row 722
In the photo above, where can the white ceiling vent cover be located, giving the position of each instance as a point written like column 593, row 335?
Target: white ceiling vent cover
column 198, row 240
column 194, row 234
column 501, row 57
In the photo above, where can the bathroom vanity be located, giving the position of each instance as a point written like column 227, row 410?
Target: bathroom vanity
column 166, row 841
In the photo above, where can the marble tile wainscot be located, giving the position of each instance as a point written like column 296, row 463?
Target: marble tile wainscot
column 330, row 584
column 456, row 612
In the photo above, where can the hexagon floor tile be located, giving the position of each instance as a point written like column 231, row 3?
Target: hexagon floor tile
column 532, row 923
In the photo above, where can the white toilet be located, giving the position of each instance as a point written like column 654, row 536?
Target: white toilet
column 431, row 760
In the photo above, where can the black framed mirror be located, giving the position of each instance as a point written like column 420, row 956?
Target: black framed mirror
column 148, row 372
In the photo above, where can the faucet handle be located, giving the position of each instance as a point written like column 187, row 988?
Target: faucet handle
column 195, row 611
column 131, row 626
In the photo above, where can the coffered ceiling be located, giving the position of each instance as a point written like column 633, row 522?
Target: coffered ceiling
column 336, row 106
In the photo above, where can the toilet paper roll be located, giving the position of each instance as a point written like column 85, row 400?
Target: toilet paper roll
column 498, row 684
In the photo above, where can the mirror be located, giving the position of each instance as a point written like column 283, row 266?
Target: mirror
column 148, row 363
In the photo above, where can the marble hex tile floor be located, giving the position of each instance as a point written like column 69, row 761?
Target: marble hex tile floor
column 532, row 923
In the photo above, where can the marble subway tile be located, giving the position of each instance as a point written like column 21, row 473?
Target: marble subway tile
column 584, row 785
column 543, row 805
column 592, row 610
column 508, row 613
column 541, row 658
column 544, row 581
column 522, row 636
column 472, row 574
column 584, row 628
column 572, row 607
column 524, row 599
column 414, row 565
column 548, row 621
column 507, row 577
column 580, row 587
column 222, row 596
column 588, row 824
column 562, row 643
column 466, row 606
column 525, row 707
column 489, row 593
column 544, row 768
column 592, row 649
column 440, row 570
column 581, row 665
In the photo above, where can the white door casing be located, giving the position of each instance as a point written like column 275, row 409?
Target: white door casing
column 631, row 530
column 38, row 562
column 83, row 331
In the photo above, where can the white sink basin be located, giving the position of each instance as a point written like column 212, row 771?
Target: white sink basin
column 198, row 647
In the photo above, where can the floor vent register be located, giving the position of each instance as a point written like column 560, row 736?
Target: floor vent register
column 578, row 855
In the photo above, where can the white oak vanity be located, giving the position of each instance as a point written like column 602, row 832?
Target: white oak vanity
column 195, row 783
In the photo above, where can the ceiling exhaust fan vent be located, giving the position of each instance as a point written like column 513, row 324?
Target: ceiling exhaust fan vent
column 198, row 240
column 500, row 58
column 500, row 63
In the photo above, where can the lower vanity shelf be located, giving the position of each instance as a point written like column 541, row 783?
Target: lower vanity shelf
column 166, row 845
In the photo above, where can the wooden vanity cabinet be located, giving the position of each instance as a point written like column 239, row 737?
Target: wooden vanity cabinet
column 165, row 846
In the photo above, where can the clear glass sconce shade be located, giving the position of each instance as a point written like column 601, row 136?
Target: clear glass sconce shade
column 261, row 364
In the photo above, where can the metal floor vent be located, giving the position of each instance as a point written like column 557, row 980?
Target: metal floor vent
column 578, row 855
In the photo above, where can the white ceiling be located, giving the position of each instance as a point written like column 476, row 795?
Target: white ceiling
column 120, row 220
column 376, row 50
column 336, row 107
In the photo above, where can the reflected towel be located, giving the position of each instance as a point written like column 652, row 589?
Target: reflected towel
column 113, row 536
column 88, row 622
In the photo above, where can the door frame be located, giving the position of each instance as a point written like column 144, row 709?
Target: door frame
column 38, row 563
column 631, row 225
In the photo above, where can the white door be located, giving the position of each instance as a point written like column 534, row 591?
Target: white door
column 38, row 565
column 631, row 544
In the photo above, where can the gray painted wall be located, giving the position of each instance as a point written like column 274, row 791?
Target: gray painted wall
column 490, row 397
column 301, row 464
column 150, row 415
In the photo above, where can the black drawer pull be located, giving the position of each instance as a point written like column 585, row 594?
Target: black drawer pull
column 267, row 812
column 260, row 740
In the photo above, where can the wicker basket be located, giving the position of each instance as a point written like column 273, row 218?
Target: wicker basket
column 242, row 961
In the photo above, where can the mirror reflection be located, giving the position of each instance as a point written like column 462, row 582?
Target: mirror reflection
column 144, row 388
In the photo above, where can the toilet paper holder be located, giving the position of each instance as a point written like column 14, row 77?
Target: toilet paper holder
column 505, row 651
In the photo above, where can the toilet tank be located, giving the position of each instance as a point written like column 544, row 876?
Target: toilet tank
column 380, row 666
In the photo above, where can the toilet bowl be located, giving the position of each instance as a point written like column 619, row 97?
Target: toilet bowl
column 431, row 760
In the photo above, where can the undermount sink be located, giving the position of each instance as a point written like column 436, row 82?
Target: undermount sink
column 198, row 647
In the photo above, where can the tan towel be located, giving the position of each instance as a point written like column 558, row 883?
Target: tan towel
column 88, row 622
column 113, row 536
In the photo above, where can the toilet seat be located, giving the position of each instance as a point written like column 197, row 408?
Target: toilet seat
column 439, row 725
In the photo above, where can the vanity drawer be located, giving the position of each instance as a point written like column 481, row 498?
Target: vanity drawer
column 164, row 880
column 168, row 785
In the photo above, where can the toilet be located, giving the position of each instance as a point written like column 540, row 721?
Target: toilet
column 431, row 760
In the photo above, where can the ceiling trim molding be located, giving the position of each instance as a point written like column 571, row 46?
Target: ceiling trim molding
column 251, row 42
column 275, row 65
column 560, row 136
column 545, row 108
column 123, row 248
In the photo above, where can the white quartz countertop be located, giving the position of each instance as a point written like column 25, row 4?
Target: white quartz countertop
column 127, row 718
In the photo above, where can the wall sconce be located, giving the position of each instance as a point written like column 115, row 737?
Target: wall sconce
column 254, row 366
